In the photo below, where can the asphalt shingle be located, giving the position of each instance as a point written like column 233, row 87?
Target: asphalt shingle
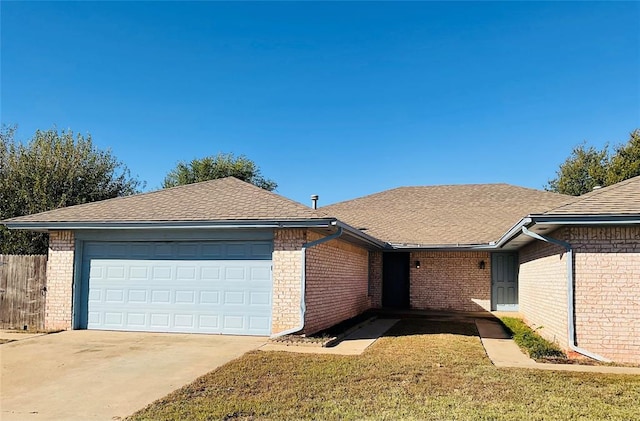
column 622, row 198
column 215, row 200
column 444, row 215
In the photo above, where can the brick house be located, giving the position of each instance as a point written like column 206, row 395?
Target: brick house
column 224, row 256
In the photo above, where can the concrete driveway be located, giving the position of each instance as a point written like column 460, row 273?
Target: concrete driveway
column 99, row 375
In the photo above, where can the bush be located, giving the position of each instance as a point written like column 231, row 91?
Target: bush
column 535, row 345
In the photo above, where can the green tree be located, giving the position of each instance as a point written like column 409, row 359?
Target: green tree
column 625, row 163
column 52, row 170
column 217, row 166
column 585, row 168
column 588, row 167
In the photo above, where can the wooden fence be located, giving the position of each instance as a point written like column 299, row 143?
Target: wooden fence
column 22, row 291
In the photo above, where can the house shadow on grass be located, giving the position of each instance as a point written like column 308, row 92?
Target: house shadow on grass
column 421, row 326
column 420, row 322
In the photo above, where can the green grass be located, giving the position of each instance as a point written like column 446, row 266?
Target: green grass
column 528, row 340
column 420, row 370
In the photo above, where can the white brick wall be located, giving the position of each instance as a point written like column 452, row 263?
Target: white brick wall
column 58, row 306
column 287, row 276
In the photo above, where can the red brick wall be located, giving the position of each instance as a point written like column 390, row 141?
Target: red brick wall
column 542, row 285
column 375, row 278
column 58, row 305
column 450, row 281
column 337, row 279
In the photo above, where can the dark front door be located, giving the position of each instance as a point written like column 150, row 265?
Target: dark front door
column 395, row 280
column 504, row 281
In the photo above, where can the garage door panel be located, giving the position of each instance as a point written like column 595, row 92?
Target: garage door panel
column 172, row 288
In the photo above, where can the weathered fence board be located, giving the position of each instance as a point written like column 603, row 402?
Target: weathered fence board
column 22, row 296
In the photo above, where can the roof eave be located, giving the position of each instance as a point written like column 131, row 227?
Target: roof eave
column 441, row 247
column 224, row 224
column 559, row 220
column 366, row 238
column 107, row 225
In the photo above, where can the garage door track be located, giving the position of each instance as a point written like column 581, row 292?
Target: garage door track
column 100, row 375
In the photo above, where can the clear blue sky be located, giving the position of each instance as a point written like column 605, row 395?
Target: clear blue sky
column 338, row 99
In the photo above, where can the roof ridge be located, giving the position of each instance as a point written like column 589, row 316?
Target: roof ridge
column 446, row 185
column 253, row 199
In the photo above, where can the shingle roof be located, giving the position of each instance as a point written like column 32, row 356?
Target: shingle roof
column 215, row 200
column 444, row 215
column 622, row 198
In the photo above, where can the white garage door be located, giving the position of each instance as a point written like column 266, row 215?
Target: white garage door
column 192, row 287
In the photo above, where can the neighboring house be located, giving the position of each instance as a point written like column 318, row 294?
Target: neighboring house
column 224, row 256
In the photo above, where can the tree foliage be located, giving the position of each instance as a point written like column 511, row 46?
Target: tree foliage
column 217, row 166
column 53, row 170
column 625, row 163
column 588, row 167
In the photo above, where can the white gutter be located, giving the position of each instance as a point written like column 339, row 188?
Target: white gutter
column 570, row 294
column 303, row 305
column 231, row 224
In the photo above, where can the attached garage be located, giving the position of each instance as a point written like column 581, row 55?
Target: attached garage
column 176, row 286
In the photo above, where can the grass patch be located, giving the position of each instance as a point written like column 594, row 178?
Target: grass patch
column 420, row 370
column 528, row 340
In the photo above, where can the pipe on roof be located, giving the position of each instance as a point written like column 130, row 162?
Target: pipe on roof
column 303, row 305
column 570, row 294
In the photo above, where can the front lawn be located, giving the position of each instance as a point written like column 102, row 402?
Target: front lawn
column 421, row 370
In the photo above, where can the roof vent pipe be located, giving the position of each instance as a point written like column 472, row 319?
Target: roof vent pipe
column 314, row 201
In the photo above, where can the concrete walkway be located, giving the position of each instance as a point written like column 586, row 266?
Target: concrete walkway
column 503, row 352
column 353, row 344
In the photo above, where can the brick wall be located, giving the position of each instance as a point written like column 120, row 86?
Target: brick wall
column 542, row 287
column 607, row 299
column 58, row 306
column 607, row 289
column 337, row 283
column 287, row 276
column 450, row 281
column 375, row 279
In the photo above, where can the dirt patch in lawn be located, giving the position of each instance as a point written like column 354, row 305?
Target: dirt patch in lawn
column 420, row 370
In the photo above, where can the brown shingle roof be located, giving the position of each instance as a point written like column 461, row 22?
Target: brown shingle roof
column 622, row 198
column 215, row 200
column 444, row 215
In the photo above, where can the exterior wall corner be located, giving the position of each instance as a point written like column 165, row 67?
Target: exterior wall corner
column 60, row 266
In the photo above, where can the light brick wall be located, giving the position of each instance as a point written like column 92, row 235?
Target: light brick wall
column 450, row 281
column 375, row 279
column 607, row 299
column 287, row 278
column 607, row 289
column 58, row 306
column 337, row 283
column 542, row 287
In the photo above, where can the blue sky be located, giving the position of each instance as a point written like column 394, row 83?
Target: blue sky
column 338, row 99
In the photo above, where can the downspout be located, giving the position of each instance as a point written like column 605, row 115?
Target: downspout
column 303, row 306
column 571, row 322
